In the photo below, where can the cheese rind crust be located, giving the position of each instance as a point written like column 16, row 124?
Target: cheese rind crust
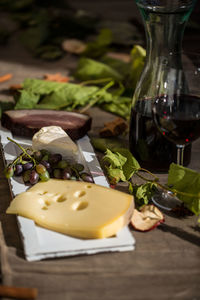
column 74, row 208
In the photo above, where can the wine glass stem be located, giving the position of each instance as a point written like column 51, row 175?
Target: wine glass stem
column 180, row 154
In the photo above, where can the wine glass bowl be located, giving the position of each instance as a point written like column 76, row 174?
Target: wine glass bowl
column 178, row 121
column 176, row 114
column 176, row 109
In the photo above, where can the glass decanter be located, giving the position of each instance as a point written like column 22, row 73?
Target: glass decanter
column 164, row 21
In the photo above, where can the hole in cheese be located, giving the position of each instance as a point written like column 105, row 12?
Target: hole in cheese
column 42, row 193
column 44, row 208
column 47, row 202
column 80, row 205
column 79, row 194
column 88, row 186
column 61, row 198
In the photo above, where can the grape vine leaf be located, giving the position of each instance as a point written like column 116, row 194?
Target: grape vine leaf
column 183, row 179
column 122, row 164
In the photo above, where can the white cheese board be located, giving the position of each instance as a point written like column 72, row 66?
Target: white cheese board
column 40, row 243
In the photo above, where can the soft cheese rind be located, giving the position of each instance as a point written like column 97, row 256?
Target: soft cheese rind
column 55, row 140
column 78, row 209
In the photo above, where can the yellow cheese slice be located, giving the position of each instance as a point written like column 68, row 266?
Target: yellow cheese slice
column 79, row 209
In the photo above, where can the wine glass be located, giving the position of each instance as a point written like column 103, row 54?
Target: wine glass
column 176, row 113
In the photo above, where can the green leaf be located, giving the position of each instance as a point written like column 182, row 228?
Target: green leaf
column 90, row 69
column 44, row 94
column 130, row 187
column 49, row 106
column 69, row 95
column 105, row 37
column 122, row 160
column 49, row 52
column 120, row 106
column 33, row 37
column 124, row 33
column 100, row 46
column 101, row 144
column 115, row 169
column 122, row 166
column 116, row 64
column 115, row 175
column 41, row 87
column 131, row 166
column 138, row 55
column 143, row 193
column 54, row 95
column 116, row 160
column 185, row 180
column 26, row 100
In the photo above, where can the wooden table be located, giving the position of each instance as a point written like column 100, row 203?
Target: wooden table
column 164, row 265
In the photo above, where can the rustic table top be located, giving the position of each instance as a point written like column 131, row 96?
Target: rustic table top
column 164, row 265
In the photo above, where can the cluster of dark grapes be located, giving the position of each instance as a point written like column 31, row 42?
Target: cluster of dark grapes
column 42, row 165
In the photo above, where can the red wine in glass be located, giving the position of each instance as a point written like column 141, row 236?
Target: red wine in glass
column 148, row 144
column 177, row 117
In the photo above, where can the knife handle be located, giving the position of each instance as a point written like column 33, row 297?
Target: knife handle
column 18, row 292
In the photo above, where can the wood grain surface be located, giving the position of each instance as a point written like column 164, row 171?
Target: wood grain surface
column 165, row 264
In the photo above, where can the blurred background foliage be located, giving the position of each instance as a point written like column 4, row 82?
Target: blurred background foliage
column 42, row 26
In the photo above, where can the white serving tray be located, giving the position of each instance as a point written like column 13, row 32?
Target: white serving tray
column 40, row 243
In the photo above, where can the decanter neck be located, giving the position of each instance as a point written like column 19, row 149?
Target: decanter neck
column 164, row 40
column 164, row 34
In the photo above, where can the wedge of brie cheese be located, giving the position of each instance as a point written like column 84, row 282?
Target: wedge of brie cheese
column 75, row 208
column 55, row 140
